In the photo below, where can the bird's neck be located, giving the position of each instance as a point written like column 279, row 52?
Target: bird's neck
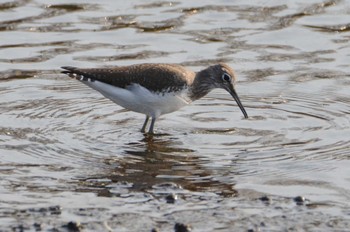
column 201, row 85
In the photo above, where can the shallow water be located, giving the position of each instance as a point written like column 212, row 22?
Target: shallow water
column 69, row 155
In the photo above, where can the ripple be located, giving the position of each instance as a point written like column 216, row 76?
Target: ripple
column 313, row 115
column 139, row 55
column 56, row 132
column 332, row 28
column 293, row 134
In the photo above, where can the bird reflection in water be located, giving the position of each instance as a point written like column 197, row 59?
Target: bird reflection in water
column 159, row 165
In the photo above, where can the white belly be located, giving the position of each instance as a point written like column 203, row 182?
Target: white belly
column 141, row 100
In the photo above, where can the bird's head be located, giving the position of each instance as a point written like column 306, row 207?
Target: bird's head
column 222, row 76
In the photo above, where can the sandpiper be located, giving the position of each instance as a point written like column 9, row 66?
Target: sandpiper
column 156, row 89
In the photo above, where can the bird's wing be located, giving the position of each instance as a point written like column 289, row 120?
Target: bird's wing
column 155, row 77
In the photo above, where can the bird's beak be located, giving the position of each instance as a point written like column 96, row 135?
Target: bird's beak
column 233, row 93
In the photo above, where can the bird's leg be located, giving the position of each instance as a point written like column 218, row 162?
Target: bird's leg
column 143, row 129
column 152, row 126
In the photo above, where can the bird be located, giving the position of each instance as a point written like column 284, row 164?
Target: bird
column 155, row 89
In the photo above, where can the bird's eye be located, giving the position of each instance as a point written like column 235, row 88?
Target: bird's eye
column 226, row 77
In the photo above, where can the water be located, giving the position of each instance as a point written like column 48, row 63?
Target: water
column 69, row 155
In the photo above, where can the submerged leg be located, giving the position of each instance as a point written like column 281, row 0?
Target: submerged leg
column 143, row 129
column 152, row 126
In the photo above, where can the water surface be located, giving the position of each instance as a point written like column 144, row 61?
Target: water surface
column 69, row 155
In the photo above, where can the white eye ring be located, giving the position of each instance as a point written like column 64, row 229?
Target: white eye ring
column 226, row 77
